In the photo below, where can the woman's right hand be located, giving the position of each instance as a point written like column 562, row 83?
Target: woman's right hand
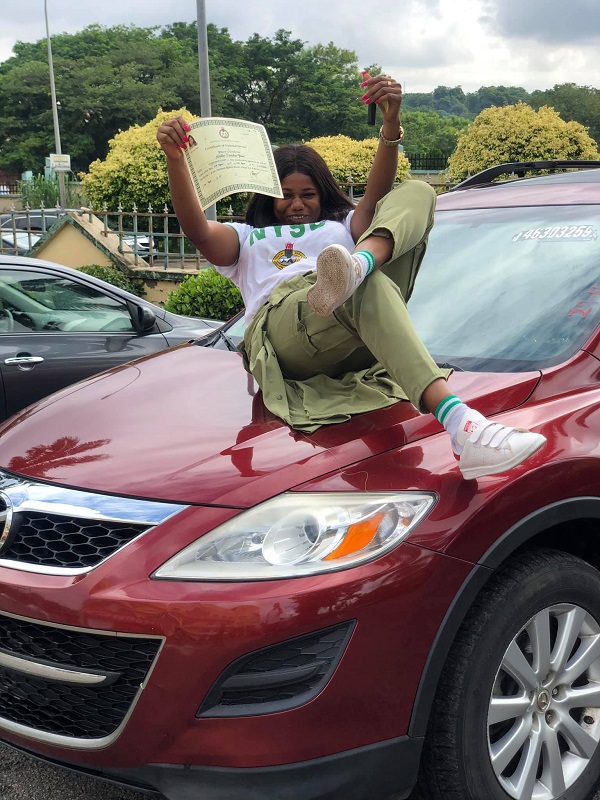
column 172, row 137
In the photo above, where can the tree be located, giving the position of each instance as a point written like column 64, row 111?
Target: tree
column 488, row 96
column 579, row 103
column 429, row 133
column 106, row 79
column 518, row 133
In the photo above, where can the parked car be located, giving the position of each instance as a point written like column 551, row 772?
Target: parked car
column 58, row 326
column 200, row 601
column 21, row 231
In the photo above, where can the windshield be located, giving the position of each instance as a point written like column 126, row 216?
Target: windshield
column 510, row 289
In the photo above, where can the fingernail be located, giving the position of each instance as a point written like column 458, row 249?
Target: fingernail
column 366, row 102
column 187, row 127
column 365, row 83
column 364, row 72
column 182, row 146
column 364, row 97
column 185, row 138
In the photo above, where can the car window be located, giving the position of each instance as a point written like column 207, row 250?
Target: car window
column 509, row 289
column 37, row 301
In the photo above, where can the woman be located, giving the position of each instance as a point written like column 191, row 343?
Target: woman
column 324, row 285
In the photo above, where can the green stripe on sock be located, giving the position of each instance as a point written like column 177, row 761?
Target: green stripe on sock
column 369, row 258
column 445, row 407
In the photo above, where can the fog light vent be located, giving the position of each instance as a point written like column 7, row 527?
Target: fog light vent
column 278, row 677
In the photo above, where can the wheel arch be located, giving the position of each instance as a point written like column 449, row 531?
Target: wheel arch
column 557, row 525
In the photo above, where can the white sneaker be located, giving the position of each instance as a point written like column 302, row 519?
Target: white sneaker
column 490, row 448
column 338, row 276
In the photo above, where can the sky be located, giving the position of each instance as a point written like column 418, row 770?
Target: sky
column 421, row 43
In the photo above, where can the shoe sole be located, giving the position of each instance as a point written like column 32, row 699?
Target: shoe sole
column 471, row 473
column 332, row 275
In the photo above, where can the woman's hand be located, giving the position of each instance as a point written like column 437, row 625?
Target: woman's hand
column 172, row 137
column 384, row 91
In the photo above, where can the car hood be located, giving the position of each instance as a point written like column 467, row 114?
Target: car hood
column 189, row 425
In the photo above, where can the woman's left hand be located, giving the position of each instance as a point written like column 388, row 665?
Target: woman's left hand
column 384, row 91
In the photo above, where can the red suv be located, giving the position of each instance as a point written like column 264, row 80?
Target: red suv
column 199, row 601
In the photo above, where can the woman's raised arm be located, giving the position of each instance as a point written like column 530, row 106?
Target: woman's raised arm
column 218, row 243
column 387, row 93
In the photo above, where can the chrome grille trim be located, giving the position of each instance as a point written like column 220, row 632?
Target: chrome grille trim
column 75, row 743
column 20, row 496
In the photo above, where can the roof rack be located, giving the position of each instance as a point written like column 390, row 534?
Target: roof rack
column 519, row 168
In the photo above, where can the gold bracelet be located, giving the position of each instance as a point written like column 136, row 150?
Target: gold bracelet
column 391, row 142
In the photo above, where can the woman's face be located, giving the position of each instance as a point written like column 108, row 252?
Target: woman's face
column 301, row 203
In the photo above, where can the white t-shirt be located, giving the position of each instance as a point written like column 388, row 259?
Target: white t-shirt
column 276, row 253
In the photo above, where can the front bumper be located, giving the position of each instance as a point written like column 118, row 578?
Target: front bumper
column 375, row 771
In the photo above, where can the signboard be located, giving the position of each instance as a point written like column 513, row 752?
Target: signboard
column 60, row 163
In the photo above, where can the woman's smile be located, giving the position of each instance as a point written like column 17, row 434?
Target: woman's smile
column 301, row 203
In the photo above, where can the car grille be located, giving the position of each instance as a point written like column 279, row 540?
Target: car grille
column 278, row 677
column 58, row 541
column 66, row 682
column 56, row 531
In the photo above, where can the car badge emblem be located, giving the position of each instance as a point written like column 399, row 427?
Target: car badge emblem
column 6, row 518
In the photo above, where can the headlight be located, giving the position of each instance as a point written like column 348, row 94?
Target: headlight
column 301, row 534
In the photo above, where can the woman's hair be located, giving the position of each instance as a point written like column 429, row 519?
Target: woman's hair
column 292, row 158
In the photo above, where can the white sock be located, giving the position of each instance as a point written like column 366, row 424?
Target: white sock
column 453, row 413
column 366, row 261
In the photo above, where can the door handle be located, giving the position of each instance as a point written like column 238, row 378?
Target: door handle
column 23, row 361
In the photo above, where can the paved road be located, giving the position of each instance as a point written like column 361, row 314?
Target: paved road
column 24, row 778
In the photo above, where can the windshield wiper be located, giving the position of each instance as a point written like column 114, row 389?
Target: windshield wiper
column 211, row 338
column 448, row 365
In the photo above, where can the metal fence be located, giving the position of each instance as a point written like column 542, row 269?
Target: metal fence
column 423, row 163
column 152, row 238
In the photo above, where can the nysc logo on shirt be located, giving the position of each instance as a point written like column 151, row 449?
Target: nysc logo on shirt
column 288, row 256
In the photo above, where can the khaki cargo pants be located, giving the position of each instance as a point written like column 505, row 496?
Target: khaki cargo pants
column 374, row 324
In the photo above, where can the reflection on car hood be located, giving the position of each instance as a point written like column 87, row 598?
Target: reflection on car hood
column 189, row 425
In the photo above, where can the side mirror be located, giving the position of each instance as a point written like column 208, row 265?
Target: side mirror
column 144, row 319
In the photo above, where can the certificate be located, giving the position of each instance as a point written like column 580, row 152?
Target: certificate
column 225, row 156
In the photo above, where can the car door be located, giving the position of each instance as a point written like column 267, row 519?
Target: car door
column 55, row 331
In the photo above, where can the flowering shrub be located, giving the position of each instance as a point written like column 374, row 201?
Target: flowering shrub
column 345, row 157
column 134, row 170
column 518, row 133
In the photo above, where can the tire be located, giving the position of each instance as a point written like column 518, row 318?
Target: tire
column 528, row 654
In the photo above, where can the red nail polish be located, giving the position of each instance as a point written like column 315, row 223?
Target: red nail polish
column 185, row 138
column 364, row 72
column 364, row 97
column 187, row 127
column 365, row 83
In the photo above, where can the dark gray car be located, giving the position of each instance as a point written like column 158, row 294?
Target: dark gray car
column 58, row 326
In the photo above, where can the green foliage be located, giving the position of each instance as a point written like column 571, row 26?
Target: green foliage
column 41, row 191
column 115, row 277
column 208, row 294
column 109, row 79
column 580, row 103
column 452, row 101
column 430, row 134
column 518, row 133
column 134, row 171
column 106, row 79
column 346, row 157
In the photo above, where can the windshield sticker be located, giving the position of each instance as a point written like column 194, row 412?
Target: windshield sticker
column 576, row 233
column 583, row 307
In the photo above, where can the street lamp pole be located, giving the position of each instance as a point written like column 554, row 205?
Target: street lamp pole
column 61, row 178
column 205, row 108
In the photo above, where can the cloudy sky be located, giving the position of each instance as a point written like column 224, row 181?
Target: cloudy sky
column 422, row 43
